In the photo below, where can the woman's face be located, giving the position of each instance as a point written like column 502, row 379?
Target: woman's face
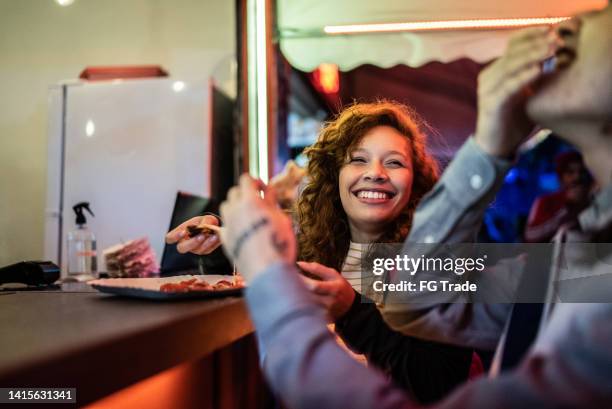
column 376, row 180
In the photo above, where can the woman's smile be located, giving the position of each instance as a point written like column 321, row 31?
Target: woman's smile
column 373, row 196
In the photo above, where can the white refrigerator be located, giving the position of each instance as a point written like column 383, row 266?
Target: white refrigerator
column 126, row 147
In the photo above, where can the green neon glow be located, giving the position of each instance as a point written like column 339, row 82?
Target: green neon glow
column 252, row 88
column 257, row 89
column 262, row 91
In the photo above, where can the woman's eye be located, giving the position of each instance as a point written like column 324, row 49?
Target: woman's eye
column 395, row 164
column 358, row 159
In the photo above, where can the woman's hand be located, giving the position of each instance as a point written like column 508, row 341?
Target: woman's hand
column 333, row 291
column 200, row 244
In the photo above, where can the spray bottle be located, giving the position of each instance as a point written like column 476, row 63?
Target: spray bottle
column 82, row 261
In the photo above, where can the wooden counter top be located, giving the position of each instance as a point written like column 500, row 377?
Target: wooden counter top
column 101, row 343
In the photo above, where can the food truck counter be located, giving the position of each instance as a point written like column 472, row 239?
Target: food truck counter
column 100, row 344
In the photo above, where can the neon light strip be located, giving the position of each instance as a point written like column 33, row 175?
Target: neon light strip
column 262, row 90
column 252, row 87
column 257, row 89
column 443, row 25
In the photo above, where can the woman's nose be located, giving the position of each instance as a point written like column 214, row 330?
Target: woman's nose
column 375, row 172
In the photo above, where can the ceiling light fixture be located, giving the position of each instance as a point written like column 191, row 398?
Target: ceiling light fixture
column 64, row 3
column 90, row 128
column 498, row 23
column 178, row 86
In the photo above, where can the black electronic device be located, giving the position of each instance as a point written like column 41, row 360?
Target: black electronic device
column 32, row 273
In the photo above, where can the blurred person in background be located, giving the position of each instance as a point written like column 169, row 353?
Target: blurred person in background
column 551, row 211
column 287, row 183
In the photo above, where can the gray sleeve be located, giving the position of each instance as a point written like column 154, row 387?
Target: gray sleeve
column 304, row 364
column 452, row 213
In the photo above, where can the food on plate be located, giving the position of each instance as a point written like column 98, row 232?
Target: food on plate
column 223, row 284
column 195, row 284
column 134, row 258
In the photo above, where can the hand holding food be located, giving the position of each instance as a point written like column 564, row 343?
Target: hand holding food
column 198, row 235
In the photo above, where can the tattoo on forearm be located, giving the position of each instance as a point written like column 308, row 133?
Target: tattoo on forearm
column 279, row 244
column 246, row 234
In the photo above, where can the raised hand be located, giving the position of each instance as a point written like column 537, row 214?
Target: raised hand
column 503, row 88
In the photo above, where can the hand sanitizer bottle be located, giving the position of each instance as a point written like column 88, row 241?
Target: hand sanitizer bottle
column 82, row 257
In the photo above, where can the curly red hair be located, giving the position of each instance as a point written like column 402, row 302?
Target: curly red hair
column 324, row 234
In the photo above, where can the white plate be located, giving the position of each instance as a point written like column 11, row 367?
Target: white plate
column 149, row 287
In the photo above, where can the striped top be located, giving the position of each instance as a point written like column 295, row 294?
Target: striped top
column 351, row 269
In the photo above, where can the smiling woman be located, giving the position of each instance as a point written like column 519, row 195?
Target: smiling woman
column 376, row 182
column 367, row 172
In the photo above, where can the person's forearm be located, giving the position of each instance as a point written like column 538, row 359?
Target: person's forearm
column 304, row 364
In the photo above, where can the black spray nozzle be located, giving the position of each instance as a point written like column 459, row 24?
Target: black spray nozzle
column 78, row 209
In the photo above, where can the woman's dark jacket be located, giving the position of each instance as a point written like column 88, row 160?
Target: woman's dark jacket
column 428, row 370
